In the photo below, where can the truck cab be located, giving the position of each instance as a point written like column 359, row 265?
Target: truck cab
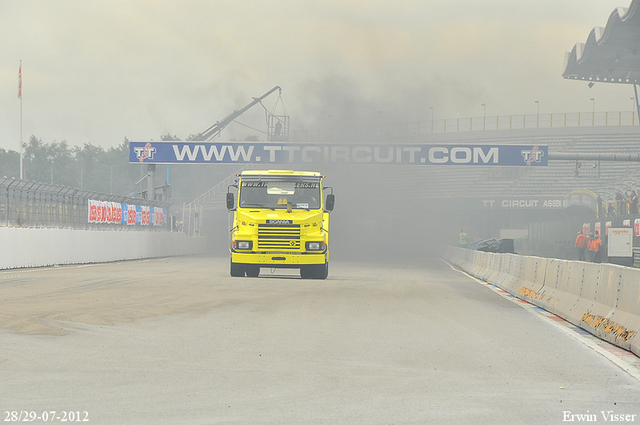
column 280, row 219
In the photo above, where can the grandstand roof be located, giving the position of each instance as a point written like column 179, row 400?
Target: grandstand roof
column 610, row 54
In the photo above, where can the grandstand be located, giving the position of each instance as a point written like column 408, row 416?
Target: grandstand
column 557, row 179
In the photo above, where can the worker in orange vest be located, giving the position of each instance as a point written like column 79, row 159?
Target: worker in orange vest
column 594, row 249
column 581, row 244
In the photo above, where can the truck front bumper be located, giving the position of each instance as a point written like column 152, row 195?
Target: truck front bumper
column 278, row 260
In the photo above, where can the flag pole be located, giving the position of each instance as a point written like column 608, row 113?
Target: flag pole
column 20, row 96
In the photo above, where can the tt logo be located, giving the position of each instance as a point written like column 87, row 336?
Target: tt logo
column 533, row 155
column 146, row 152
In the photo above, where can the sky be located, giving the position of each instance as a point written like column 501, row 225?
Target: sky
column 99, row 71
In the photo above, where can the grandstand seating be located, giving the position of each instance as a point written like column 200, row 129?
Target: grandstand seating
column 558, row 178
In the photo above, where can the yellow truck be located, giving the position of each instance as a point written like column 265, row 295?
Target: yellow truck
column 280, row 219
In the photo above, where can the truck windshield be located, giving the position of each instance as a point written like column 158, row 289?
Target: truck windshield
column 278, row 194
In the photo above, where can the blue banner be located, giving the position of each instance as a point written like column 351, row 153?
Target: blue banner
column 125, row 213
column 273, row 153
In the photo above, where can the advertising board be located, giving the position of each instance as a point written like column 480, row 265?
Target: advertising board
column 620, row 246
column 179, row 152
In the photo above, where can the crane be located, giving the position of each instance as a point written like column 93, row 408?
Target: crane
column 278, row 125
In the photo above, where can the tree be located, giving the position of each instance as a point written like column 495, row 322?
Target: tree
column 35, row 160
column 93, row 168
column 89, row 167
column 9, row 164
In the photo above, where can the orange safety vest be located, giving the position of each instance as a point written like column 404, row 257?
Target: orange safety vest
column 581, row 240
column 595, row 245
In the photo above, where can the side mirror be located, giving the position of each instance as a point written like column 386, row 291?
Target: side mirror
column 231, row 203
column 331, row 200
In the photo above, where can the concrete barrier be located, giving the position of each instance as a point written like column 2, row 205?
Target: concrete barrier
column 626, row 316
column 505, row 277
column 27, row 247
column 603, row 299
column 517, row 275
column 548, row 295
column 495, row 271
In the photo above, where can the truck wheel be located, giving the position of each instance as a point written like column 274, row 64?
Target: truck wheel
column 315, row 271
column 236, row 270
column 253, row 271
column 305, row 272
column 323, row 271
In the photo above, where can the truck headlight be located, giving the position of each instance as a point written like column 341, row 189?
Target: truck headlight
column 315, row 246
column 243, row 244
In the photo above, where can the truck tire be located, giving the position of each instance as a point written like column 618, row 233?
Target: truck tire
column 252, row 271
column 236, row 270
column 323, row 271
column 305, row 272
column 315, row 271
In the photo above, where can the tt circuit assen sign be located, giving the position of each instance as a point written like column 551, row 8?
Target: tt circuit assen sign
column 576, row 198
column 270, row 153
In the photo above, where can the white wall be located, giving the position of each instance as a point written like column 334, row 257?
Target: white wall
column 26, row 247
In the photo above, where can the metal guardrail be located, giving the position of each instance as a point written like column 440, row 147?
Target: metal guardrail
column 378, row 131
column 26, row 203
column 515, row 122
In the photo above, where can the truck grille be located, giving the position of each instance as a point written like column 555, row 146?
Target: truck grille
column 279, row 236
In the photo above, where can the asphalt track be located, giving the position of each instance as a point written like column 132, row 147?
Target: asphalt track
column 177, row 340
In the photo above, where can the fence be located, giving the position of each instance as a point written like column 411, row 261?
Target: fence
column 213, row 199
column 26, row 203
column 376, row 130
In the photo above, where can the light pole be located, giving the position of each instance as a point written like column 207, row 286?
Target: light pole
column 484, row 116
column 633, row 109
column 593, row 112
column 431, row 108
column 537, row 102
column 330, row 128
